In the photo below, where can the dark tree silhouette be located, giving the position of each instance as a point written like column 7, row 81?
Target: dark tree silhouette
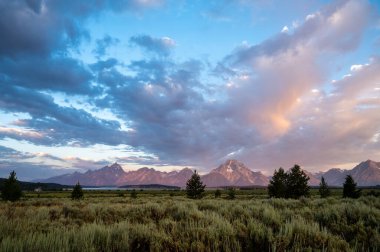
column 349, row 188
column 291, row 184
column 194, row 187
column 11, row 190
column 231, row 193
column 277, row 185
column 77, row 192
column 134, row 194
column 217, row 193
column 324, row 190
column 296, row 183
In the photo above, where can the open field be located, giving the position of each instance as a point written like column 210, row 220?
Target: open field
column 167, row 221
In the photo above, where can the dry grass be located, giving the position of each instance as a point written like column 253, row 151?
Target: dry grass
column 167, row 223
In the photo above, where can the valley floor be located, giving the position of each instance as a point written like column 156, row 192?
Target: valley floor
column 167, row 221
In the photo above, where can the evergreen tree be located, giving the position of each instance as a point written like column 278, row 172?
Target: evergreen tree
column 134, row 194
column 194, row 187
column 11, row 190
column 277, row 185
column 324, row 190
column 77, row 192
column 296, row 183
column 349, row 188
column 231, row 193
column 217, row 193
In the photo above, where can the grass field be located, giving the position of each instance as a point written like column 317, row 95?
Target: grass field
column 167, row 221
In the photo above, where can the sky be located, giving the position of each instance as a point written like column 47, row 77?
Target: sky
column 170, row 84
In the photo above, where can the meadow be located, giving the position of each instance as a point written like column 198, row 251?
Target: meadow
column 168, row 221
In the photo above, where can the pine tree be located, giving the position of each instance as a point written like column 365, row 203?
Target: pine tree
column 77, row 192
column 231, row 193
column 277, row 185
column 349, row 188
column 217, row 193
column 194, row 187
column 134, row 194
column 324, row 190
column 11, row 190
column 296, row 183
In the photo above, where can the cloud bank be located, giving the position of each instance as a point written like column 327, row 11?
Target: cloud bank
column 269, row 104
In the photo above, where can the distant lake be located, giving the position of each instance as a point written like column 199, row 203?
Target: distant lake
column 112, row 188
column 106, row 188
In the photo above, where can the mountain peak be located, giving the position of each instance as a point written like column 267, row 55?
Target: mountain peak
column 368, row 164
column 372, row 163
column 233, row 172
column 232, row 165
column 115, row 166
column 366, row 173
column 232, row 161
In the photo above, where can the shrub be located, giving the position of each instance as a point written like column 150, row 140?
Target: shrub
column 373, row 193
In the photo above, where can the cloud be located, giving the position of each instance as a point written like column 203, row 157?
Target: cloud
column 31, row 166
column 160, row 46
column 285, row 29
column 20, row 134
column 84, row 164
column 284, row 68
column 54, row 124
column 257, row 114
column 329, row 128
column 103, row 44
column 37, row 27
column 39, row 36
column 55, row 74
column 9, row 153
column 26, row 170
column 262, row 108
column 40, row 27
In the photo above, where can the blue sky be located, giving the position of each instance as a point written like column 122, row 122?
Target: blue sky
column 173, row 84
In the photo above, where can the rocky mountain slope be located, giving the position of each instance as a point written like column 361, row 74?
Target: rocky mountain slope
column 234, row 173
column 366, row 173
column 114, row 175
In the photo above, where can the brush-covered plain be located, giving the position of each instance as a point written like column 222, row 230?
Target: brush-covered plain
column 168, row 221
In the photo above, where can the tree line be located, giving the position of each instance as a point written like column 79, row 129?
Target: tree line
column 294, row 184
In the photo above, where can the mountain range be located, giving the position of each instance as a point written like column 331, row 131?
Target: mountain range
column 366, row 173
column 231, row 173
